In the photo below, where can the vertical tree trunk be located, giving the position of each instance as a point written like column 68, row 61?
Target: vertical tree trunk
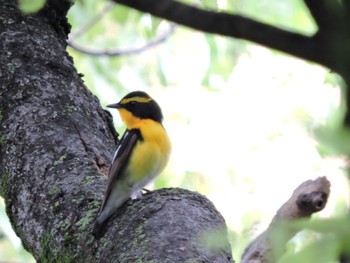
column 55, row 138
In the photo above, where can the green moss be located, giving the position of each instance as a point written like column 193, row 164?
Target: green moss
column 95, row 203
column 12, row 66
column 90, row 241
column 78, row 199
column 87, row 113
column 140, row 242
column 49, row 251
column 2, row 139
column 192, row 261
column 139, row 231
column 64, row 225
column 88, row 179
column 45, row 247
column 69, row 108
column 140, row 260
column 60, row 160
column 54, row 190
column 23, row 146
column 57, row 206
column 68, row 239
column 1, row 114
column 86, row 220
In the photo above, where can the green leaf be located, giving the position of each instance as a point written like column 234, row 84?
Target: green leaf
column 31, row 6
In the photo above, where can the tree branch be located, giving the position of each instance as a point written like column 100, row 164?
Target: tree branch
column 124, row 52
column 308, row 198
column 167, row 225
column 75, row 34
column 234, row 26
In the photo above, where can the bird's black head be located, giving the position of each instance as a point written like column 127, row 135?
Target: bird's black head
column 141, row 105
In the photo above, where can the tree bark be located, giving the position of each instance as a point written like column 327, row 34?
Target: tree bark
column 56, row 142
column 168, row 225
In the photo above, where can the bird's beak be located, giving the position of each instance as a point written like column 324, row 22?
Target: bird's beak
column 115, row 106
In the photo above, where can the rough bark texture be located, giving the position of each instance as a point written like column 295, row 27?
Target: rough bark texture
column 168, row 225
column 308, row 198
column 55, row 137
column 56, row 143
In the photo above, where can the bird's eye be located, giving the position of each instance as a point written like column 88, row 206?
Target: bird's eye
column 132, row 103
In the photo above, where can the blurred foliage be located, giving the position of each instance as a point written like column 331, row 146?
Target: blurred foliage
column 323, row 241
column 31, row 6
column 247, row 124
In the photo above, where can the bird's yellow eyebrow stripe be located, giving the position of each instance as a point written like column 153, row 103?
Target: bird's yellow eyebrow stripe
column 136, row 99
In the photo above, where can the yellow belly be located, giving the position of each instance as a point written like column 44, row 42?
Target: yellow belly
column 150, row 155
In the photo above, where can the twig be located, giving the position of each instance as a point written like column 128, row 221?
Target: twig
column 92, row 22
column 123, row 52
column 310, row 197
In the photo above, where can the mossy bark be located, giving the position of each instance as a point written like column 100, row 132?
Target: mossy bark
column 56, row 144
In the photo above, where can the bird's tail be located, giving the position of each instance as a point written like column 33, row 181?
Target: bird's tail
column 116, row 199
column 98, row 229
column 101, row 223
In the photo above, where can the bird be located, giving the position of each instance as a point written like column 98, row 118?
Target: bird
column 141, row 154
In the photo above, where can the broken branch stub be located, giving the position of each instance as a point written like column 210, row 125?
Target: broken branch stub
column 308, row 198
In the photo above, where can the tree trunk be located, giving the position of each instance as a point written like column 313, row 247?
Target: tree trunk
column 56, row 142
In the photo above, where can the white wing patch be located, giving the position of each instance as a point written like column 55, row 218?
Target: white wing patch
column 119, row 146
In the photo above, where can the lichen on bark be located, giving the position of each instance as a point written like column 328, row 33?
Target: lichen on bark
column 56, row 144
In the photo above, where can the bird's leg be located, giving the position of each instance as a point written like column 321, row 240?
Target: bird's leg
column 137, row 194
column 146, row 190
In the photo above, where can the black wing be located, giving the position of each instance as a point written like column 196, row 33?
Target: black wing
column 120, row 159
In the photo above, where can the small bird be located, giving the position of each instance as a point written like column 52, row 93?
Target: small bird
column 142, row 153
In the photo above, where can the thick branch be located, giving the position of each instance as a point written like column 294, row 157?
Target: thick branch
column 168, row 225
column 308, row 198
